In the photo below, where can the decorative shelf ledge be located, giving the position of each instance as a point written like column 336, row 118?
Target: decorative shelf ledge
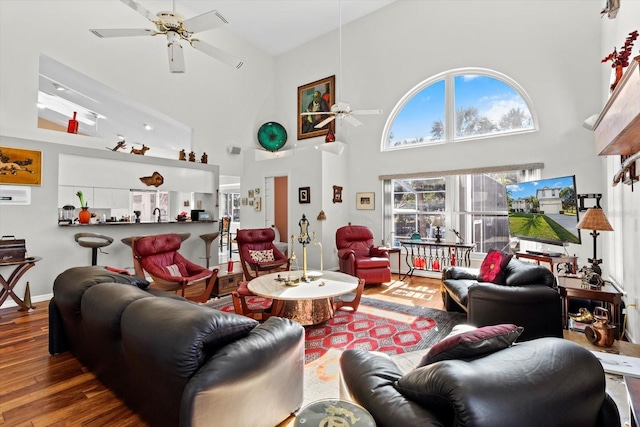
column 617, row 128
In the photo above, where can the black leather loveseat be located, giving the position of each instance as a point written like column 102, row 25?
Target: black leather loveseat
column 174, row 362
column 528, row 298
column 545, row 382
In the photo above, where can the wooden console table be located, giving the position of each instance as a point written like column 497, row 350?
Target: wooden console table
column 551, row 260
column 432, row 256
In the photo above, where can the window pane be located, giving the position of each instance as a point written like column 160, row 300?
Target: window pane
column 485, row 105
column 421, row 120
column 416, row 201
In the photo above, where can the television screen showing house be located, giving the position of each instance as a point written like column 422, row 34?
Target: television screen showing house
column 544, row 210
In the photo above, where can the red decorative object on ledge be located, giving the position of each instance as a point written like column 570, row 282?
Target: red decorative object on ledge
column 73, row 124
column 620, row 60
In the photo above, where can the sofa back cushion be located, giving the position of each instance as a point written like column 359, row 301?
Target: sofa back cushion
column 355, row 237
column 519, row 273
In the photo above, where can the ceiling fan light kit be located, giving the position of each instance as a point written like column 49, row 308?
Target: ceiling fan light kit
column 176, row 28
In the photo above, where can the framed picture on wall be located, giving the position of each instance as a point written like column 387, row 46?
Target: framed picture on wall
column 366, row 201
column 20, row 166
column 315, row 97
column 337, row 194
column 304, row 195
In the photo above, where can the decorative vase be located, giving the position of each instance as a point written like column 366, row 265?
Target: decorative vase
column 330, row 137
column 73, row 124
column 616, row 75
column 84, row 216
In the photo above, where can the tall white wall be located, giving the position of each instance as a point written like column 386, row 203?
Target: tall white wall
column 554, row 53
column 621, row 247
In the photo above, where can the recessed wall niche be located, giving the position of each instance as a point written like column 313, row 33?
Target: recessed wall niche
column 104, row 113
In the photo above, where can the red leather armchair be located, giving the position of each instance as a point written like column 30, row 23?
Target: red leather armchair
column 158, row 255
column 359, row 257
column 258, row 255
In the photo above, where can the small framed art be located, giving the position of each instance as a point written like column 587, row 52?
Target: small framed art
column 337, row 194
column 365, row 201
column 304, row 195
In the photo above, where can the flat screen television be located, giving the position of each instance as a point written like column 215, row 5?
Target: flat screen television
column 544, row 211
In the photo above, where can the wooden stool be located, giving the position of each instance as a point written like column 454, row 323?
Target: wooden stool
column 94, row 241
column 208, row 240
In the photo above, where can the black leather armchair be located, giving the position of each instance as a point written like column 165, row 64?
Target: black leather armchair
column 544, row 382
column 528, row 299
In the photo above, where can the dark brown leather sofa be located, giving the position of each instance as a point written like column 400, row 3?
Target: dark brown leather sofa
column 528, row 298
column 174, row 362
column 544, row 382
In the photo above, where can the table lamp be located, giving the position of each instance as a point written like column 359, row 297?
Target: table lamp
column 594, row 219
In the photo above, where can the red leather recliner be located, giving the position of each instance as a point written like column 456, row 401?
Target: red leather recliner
column 158, row 255
column 359, row 257
column 258, row 255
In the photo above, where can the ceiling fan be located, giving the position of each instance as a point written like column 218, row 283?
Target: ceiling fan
column 341, row 109
column 177, row 29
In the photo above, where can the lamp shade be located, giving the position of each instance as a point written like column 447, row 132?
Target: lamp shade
column 594, row 219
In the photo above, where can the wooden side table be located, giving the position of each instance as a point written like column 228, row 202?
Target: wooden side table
column 227, row 282
column 573, row 287
column 19, row 268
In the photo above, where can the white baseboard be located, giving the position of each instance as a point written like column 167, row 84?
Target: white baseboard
column 9, row 303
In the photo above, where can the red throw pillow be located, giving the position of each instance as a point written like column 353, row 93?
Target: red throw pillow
column 493, row 265
column 472, row 344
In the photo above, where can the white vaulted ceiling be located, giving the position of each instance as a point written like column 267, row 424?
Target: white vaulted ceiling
column 272, row 26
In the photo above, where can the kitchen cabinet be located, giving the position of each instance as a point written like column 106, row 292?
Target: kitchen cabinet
column 111, row 198
column 67, row 196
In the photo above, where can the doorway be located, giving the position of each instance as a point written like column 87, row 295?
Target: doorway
column 277, row 205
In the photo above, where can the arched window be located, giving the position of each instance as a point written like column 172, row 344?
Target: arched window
column 462, row 104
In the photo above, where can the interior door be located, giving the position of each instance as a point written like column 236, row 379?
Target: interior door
column 276, row 202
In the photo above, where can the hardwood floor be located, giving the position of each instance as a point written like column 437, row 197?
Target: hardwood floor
column 42, row 390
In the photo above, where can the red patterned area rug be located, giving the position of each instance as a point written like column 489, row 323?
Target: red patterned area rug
column 377, row 326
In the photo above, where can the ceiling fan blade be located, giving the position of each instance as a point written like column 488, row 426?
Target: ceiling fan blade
column 315, row 113
column 176, row 57
column 141, row 10
column 216, row 53
column 204, row 22
column 363, row 112
column 325, row 122
column 352, row 120
column 123, row 32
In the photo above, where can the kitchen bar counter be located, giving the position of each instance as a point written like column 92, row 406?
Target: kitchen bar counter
column 111, row 223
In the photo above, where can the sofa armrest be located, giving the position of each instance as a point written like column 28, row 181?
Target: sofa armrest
column 537, row 308
column 264, row 370
column 460, row 273
column 377, row 251
column 371, row 380
column 346, row 253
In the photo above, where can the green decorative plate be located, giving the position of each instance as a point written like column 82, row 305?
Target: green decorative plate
column 272, row 136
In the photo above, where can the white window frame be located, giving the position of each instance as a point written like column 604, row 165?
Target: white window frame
column 449, row 108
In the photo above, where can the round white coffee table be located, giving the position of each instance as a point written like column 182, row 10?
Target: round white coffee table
column 308, row 303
